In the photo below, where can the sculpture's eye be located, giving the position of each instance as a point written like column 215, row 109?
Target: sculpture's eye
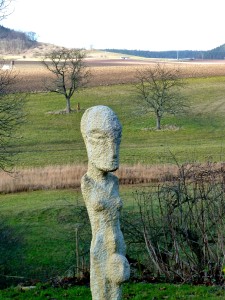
column 104, row 137
column 96, row 139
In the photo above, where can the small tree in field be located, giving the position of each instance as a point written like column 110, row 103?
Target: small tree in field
column 159, row 87
column 69, row 72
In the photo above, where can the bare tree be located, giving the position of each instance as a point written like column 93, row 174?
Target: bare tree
column 4, row 8
column 69, row 72
column 159, row 87
column 11, row 115
column 11, row 103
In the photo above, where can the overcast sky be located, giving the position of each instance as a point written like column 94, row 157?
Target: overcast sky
column 122, row 24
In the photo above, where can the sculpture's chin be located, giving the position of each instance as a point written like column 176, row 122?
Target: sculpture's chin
column 113, row 169
column 106, row 167
column 110, row 168
column 106, row 170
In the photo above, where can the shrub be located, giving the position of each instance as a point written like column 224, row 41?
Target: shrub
column 182, row 225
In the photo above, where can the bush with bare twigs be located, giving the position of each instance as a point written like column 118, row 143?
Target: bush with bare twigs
column 182, row 226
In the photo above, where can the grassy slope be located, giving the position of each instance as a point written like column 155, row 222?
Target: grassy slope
column 56, row 139
column 41, row 225
column 41, row 234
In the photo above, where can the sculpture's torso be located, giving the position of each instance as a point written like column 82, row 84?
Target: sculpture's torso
column 107, row 247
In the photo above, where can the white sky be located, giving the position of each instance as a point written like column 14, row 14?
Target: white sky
column 123, row 24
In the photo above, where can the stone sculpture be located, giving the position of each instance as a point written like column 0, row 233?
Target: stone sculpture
column 101, row 131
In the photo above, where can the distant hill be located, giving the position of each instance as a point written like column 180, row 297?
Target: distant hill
column 217, row 53
column 14, row 42
column 219, row 49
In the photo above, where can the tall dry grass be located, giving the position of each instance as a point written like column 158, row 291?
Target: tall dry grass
column 69, row 176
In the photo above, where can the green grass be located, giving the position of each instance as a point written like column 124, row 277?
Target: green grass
column 41, row 245
column 138, row 291
column 37, row 239
column 39, row 227
column 42, row 227
column 48, row 139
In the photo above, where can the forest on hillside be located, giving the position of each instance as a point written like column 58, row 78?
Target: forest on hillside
column 12, row 41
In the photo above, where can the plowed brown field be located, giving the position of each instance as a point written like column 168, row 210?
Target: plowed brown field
column 114, row 71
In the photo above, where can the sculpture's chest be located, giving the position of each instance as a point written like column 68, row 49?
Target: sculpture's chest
column 102, row 196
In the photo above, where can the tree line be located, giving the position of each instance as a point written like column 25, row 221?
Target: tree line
column 217, row 53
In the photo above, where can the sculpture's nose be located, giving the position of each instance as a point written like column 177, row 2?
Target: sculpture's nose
column 114, row 151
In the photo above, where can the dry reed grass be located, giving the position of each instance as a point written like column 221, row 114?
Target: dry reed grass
column 69, row 176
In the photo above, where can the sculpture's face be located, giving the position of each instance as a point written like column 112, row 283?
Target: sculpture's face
column 101, row 131
column 103, row 149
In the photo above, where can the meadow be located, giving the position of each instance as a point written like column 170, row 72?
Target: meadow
column 51, row 151
column 51, row 138
column 40, row 226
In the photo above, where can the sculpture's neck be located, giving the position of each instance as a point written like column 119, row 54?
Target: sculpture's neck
column 96, row 174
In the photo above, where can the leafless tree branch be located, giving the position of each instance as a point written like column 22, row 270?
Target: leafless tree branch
column 4, row 9
column 11, row 115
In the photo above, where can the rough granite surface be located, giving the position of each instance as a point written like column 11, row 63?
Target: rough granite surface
column 101, row 131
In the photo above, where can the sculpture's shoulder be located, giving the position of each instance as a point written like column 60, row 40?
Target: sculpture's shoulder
column 86, row 181
column 87, row 187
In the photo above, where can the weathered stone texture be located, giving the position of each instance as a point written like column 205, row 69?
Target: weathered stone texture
column 101, row 131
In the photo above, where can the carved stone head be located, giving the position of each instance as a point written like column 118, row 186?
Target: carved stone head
column 101, row 131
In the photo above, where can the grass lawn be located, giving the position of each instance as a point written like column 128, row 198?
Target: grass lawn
column 38, row 233
column 37, row 239
column 38, row 243
column 50, row 139
column 138, row 291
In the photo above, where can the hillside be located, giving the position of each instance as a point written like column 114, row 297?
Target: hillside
column 216, row 53
column 15, row 42
column 24, row 45
column 219, row 49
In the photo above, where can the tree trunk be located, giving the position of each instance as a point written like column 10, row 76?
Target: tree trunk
column 158, row 122
column 68, row 106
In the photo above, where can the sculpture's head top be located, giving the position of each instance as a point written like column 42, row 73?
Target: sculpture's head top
column 101, row 131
